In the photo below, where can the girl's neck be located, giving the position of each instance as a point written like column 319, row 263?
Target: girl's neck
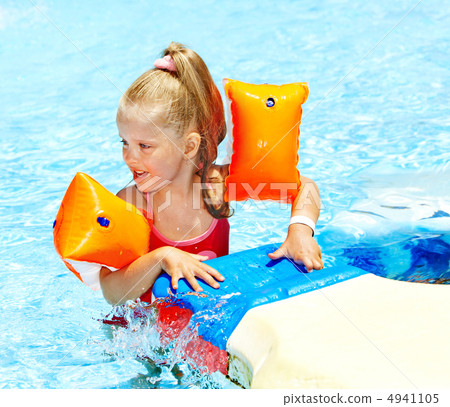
column 178, row 193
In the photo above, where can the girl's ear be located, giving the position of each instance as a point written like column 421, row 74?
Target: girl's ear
column 192, row 145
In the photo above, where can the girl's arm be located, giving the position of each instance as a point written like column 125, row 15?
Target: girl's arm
column 135, row 279
column 300, row 245
column 132, row 281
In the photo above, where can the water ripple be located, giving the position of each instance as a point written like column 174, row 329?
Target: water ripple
column 377, row 145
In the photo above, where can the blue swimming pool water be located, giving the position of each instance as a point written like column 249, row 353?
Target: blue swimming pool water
column 375, row 138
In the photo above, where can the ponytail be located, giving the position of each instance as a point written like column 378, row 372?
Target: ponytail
column 206, row 106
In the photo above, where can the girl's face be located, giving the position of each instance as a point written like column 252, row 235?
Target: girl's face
column 153, row 153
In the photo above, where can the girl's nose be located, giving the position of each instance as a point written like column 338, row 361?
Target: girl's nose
column 130, row 156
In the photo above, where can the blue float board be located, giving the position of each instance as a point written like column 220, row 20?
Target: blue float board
column 251, row 279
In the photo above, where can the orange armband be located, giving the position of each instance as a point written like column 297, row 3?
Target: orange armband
column 266, row 126
column 95, row 228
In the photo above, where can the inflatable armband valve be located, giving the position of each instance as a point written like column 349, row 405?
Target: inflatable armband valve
column 266, row 126
column 95, row 228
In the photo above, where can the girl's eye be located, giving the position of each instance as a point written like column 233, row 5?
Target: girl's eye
column 144, row 146
column 124, row 142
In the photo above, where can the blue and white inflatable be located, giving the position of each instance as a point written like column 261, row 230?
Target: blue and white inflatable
column 340, row 327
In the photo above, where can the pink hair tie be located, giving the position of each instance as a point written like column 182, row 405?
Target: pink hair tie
column 165, row 63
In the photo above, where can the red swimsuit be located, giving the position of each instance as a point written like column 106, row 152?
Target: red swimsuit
column 212, row 243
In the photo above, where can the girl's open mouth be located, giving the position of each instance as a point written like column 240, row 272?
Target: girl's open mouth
column 140, row 176
column 147, row 182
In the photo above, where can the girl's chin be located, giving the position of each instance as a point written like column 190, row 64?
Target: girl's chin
column 151, row 184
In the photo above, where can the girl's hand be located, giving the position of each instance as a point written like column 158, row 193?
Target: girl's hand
column 301, row 247
column 180, row 264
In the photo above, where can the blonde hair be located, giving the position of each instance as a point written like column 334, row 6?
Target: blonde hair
column 190, row 100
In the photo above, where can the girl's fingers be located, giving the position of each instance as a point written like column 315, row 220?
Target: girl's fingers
column 277, row 254
column 193, row 282
column 175, row 278
column 208, row 279
column 318, row 265
column 308, row 264
column 199, row 257
column 212, row 272
column 208, row 269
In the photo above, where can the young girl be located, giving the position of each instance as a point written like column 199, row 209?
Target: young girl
column 171, row 121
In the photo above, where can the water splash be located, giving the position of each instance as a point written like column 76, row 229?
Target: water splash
column 164, row 337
